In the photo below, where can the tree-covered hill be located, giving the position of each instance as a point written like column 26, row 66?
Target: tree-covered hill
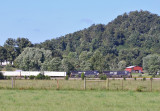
column 122, row 42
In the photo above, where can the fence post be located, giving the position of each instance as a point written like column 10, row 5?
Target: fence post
column 84, row 83
column 57, row 84
column 12, row 82
column 108, row 83
column 122, row 84
column 151, row 84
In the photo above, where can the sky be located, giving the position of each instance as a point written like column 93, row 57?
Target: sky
column 40, row 20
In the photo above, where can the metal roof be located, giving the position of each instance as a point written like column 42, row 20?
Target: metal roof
column 130, row 67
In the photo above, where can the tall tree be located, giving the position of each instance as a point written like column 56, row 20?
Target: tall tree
column 151, row 64
column 3, row 54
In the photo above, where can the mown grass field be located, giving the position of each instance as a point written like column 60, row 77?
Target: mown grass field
column 126, row 85
column 63, row 100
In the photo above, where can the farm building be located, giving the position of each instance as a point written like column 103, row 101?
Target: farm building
column 134, row 69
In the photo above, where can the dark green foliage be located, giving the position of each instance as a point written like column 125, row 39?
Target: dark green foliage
column 124, row 78
column 31, row 77
column 47, row 77
column 1, row 75
column 1, row 68
column 144, row 78
column 102, row 77
column 82, row 76
column 67, row 77
column 135, row 78
column 25, row 77
column 40, row 76
column 9, row 68
column 7, row 77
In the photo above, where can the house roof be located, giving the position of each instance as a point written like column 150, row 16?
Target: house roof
column 130, row 67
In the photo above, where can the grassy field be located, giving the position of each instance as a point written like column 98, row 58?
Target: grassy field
column 130, row 85
column 54, row 100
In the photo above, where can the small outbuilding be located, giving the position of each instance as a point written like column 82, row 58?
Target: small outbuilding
column 134, row 69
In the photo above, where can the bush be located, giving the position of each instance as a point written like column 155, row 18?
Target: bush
column 140, row 88
column 144, row 78
column 25, row 77
column 31, row 77
column 140, row 75
column 77, row 76
column 8, row 77
column 1, row 68
column 47, row 77
column 9, row 68
column 40, row 76
column 103, row 77
column 67, row 77
column 82, row 76
column 1, row 75
column 135, row 78
column 124, row 78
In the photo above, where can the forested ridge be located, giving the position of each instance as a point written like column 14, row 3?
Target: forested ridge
column 124, row 41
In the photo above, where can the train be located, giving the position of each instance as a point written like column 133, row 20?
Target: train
column 109, row 74
column 73, row 74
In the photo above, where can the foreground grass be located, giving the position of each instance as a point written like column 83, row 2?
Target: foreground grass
column 53, row 100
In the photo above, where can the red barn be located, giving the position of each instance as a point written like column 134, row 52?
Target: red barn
column 134, row 69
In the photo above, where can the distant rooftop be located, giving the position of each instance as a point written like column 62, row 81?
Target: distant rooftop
column 130, row 67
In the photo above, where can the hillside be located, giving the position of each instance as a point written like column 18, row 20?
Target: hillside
column 122, row 42
column 129, row 37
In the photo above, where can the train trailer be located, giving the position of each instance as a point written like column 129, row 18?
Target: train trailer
column 89, row 74
column 117, row 74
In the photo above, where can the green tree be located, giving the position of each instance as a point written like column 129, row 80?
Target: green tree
column 151, row 63
column 32, row 58
column 3, row 54
column 122, row 65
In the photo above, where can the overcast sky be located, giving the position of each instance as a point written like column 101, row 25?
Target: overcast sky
column 40, row 20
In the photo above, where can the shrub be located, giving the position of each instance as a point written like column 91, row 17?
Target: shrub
column 1, row 75
column 135, row 78
column 140, row 88
column 124, row 78
column 103, row 77
column 1, row 68
column 9, row 68
column 40, row 76
column 31, row 77
column 140, row 75
column 8, row 77
column 144, row 78
column 77, row 76
column 47, row 77
column 25, row 77
column 67, row 77
column 82, row 76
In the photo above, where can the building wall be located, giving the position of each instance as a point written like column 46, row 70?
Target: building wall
column 134, row 69
column 128, row 69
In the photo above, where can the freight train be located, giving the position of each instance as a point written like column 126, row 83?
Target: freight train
column 73, row 74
